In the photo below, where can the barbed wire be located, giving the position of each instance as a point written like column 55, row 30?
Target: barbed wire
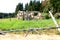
column 28, row 30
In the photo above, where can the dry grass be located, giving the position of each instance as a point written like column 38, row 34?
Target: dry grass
column 29, row 37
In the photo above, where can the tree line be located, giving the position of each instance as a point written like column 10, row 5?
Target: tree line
column 37, row 6
column 7, row 15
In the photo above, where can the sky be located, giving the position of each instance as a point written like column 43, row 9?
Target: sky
column 8, row 6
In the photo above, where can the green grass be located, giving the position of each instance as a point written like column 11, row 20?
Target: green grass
column 6, row 24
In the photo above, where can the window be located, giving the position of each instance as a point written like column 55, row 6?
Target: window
column 35, row 14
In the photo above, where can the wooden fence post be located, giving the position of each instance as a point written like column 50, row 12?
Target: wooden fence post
column 55, row 22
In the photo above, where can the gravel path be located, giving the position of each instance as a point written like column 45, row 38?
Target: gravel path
column 29, row 37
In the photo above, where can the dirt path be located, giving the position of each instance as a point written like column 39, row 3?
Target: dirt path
column 29, row 37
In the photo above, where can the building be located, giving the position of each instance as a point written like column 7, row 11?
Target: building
column 29, row 15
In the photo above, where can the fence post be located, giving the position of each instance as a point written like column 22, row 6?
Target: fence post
column 23, row 17
column 55, row 22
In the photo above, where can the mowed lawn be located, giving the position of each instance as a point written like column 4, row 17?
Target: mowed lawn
column 20, row 24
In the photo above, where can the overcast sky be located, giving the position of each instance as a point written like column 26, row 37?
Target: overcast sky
column 8, row 6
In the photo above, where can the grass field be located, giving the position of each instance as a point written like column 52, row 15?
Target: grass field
column 6, row 24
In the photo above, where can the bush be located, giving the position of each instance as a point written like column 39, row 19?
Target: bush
column 46, row 15
column 56, row 16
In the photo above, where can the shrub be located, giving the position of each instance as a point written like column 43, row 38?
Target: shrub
column 46, row 15
column 56, row 16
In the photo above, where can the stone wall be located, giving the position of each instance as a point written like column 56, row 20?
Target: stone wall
column 29, row 15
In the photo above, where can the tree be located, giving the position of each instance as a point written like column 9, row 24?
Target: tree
column 26, row 6
column 56, row 5
column 47, row 6
column 37, row 6
column 33, row 6
column 19, row 7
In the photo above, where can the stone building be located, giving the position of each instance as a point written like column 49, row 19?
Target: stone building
column 29, row 15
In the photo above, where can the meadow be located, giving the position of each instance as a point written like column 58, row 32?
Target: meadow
column 14, row 23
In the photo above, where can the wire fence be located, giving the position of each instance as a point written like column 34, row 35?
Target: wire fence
column 28, row 30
